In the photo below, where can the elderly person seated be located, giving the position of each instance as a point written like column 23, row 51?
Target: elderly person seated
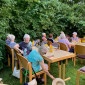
column 62, row 32
column 8, row 39
column 66, row 42
column 12, row 43
column 37, row 61
column 50, row 38
column 74, row 38
column 26, row 45
column 44, row 37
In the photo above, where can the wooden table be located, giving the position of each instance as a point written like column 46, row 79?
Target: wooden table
column 58, row 56
column 73, row 44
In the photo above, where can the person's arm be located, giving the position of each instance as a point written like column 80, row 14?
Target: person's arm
column 30, row 45
column 72, row 39
column 20, row 51
column 17, row 47
column 69, row 45
column 78, row 39
column 45, row 69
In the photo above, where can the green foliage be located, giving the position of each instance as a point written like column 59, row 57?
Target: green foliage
column 36, row 16
column 71, row 2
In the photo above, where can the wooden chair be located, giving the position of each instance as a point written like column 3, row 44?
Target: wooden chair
column 16, row 58
column 83, row 40
column 49, row 42
column 10, row 53
column 27, row 65
column 80, row 51
column 80, row 71
column 63, row 47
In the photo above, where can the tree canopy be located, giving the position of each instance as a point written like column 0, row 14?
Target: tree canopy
column 36, row 16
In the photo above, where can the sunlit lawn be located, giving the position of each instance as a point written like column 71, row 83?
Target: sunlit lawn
column 71, row 71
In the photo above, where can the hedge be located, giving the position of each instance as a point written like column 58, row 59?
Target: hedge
column 34, row 17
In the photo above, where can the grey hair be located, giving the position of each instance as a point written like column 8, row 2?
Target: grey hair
column 26, row 36
column 62, row 36
column 62, row 32
column 11, row 37
column 43, row 49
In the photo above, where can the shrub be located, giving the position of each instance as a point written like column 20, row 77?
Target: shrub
column 36, row 16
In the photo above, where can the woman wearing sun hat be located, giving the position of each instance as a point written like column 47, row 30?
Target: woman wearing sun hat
column 74, row 38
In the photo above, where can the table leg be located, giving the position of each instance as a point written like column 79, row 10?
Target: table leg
column 81, row 61
column 63, row 69
column 48, row 65
column 64, row 72
column 78, row 74
column 59, row 69
column 58, row 64
column 66, row 61
column 74, row 60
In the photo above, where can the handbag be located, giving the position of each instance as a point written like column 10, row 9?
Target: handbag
column 16, row 72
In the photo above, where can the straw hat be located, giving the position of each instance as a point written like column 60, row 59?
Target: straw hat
column 33, row 82
column 58, row 81
column 3, row 84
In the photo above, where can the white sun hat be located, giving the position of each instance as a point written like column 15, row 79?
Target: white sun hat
column 74, row 33
column 43, row 33
column 58, row 81
column 33, row 82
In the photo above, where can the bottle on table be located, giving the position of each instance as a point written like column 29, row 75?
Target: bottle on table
column 79, row 41
column 33, row 43
column 51, row 48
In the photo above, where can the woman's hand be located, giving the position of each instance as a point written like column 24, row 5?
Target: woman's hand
column 33, row 48
column 52, row 77
column 21, row 51
column 45, row 70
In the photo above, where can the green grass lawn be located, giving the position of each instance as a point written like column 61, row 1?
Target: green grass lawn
column 71, row 71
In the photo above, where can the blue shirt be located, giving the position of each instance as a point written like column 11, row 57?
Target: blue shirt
column 12, row 44
column 7, row 42
column 35, row 57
